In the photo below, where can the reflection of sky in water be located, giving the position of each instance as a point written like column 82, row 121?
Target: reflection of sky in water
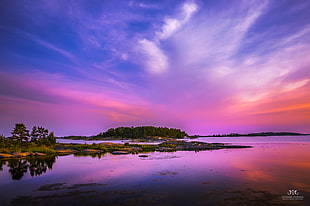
column 262, row 139
column 274, row 167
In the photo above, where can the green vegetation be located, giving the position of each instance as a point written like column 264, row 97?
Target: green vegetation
column 2, row 140
column 142, row 132
column 41, row 136
column 81, row 147
column 42, row 149
column 73, row 137
column 40, row 140
column 19, row 133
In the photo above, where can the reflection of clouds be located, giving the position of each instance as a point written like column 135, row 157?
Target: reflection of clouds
column 274, row 169
column 283, row 165
column 162, row 156
column 258, row 175
column 302, row 186
column 110, row 168
column 298, row 163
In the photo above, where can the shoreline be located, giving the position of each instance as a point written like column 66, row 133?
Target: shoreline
column 61, row 149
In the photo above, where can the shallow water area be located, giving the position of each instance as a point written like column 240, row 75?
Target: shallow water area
column 252, row 176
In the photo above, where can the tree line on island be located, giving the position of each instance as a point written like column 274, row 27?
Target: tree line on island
column 141, row 132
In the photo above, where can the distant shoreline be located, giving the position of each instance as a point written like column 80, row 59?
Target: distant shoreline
column 258, row 134
column 156, row 138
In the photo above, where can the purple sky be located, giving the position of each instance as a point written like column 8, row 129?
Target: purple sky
column 206, row 67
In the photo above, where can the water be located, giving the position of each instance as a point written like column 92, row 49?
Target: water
column 253, row 176
column 68, row 141
column 237, row 140
column 250, row 140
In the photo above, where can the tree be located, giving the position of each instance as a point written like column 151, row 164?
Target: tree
column 20, row 133
column 39, row 133
column 2, row 140
column 34, row 133
column 51, row 139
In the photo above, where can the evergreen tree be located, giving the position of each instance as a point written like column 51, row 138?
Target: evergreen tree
column 2, row 140
column 51, row 139
column 39, row 133
column 34, row 133
column 20, row 133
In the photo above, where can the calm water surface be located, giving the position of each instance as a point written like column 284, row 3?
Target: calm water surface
column 68, row 141
column 254, row 176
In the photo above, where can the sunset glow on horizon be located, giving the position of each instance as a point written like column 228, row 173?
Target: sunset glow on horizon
column 206, row 67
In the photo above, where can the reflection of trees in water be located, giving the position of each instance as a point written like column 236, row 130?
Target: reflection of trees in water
column 17, row 168
column 2, row 162
column 36, row 165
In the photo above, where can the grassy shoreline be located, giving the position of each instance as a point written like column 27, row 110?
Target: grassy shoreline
column 113, row 148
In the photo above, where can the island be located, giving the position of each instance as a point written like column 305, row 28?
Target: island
column 142, row 133
column 41, row 142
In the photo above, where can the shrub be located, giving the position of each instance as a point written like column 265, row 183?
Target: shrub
column 41, row 150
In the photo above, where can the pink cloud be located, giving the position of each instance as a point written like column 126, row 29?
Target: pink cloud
column 62, row 108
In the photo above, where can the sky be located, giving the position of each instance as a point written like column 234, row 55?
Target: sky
column 79, row 67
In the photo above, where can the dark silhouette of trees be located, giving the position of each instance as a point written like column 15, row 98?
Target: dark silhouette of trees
column 36, row 166
column 38, row 133
column 144, row 131
column 41, row 136
column 20, row 137
column 2, row 140
column 51, row 139
column 20, row 133
column 2, row 162
column 18, row 167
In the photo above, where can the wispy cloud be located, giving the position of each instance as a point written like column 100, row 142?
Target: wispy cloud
column 26, row 91
column 155, row 59
column 188, row 9
column 50, row 46
column 202, row 65
column 172, row 24
column 143, row 5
